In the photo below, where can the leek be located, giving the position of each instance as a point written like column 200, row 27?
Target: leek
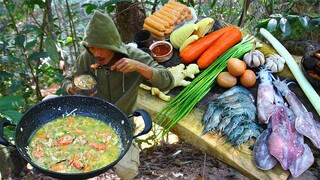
column 306, row 87
column 181, row 105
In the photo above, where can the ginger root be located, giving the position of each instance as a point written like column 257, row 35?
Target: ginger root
column 179, row 72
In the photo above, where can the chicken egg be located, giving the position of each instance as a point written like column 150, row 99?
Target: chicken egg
column 248, row 78
column 236, row 67
column 226, row 80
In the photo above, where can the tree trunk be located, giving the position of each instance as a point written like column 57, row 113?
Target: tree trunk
column 129, row 19
column 244, row 12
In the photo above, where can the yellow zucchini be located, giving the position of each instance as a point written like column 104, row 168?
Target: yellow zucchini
column 205, row 26
column 181, row 34
column 191, row 39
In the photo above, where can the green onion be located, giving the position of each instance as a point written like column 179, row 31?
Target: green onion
column 181, row 105
column 306, row 87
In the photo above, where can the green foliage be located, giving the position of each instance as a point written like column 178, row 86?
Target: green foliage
column 26, row 49
column 9, row 110
column 287, row 23
column 290, row 26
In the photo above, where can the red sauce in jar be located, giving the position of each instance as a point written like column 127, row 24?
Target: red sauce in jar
column 161, row 50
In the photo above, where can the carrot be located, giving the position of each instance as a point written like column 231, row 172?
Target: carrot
column 194, row 50
column 226, row 41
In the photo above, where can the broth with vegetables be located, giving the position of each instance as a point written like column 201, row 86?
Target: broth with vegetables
column 74, row 144
column 85, row 81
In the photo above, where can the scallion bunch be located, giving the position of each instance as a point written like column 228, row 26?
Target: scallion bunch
column 181, row 105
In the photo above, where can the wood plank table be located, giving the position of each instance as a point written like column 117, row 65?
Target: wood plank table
column 189, row 128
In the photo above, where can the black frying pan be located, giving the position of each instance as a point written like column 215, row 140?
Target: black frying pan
column 53, row 108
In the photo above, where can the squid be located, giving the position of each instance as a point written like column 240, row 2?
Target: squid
column 305, row 123
column 284, row 142
column 265, row 96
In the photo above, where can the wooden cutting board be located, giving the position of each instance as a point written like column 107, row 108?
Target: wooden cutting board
column 189, row 128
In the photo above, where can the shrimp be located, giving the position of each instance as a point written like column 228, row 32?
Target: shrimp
column 208, row 113
column 59, row 167
column 64, row 140
column 305, row 123
column 234, row 90
column 234, row 122
column 240, row 129
column 98, row 147
column 213, row 121
column 265, row 96
column 248, row 110
column 75, row 161
column 39, row 151
column 235, row 98
column 236, row 109
column 247, row 134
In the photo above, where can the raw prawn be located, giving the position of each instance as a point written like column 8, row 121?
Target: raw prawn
column 265, row 96
column 235, row 90
column 213, row 121
column 235, row 133
column 283, row 142
column 305, row 122
column 247, row 134
column 234, row 122
column 240, row 129
column 206, row 116
column 238, row 109
column 249, row 111
column 235, row 98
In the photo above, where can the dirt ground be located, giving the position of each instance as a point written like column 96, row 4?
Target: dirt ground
column 179, row 160
column 176, row 161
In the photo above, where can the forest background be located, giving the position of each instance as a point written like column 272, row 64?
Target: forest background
column 40, row 39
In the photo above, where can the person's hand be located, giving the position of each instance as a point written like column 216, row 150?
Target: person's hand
column 72, row 90
column 125, row 65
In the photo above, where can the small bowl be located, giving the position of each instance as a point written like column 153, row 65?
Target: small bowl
column 143, row 38
column 85, row 83
column 311, row 64
column 161, row 51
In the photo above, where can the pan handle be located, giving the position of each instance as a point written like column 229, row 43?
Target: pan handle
column 3, row 141
column 146, row 118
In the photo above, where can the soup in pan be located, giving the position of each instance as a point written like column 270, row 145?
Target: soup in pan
column 74, row 144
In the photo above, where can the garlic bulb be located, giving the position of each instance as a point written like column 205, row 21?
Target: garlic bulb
column 275, row 63
column 254, row 58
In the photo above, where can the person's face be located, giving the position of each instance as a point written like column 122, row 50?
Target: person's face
column 103, row 56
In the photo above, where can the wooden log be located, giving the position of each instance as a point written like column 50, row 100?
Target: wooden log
column 189, row 129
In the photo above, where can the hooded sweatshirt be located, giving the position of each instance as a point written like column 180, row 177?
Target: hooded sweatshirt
column 118, row 88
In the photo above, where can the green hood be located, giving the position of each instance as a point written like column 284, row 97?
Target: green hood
column 101, row 32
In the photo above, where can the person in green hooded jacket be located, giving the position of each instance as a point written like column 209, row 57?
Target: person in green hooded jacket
column 122, row 67
column 121, row 70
